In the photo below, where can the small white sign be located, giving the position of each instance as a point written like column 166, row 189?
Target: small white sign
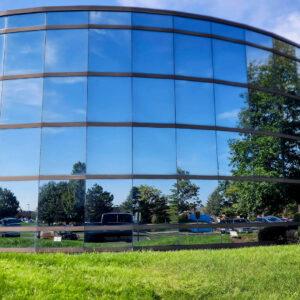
column 57, row 239
column 233, row 234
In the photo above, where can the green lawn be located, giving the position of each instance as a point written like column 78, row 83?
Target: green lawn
column 248, row 273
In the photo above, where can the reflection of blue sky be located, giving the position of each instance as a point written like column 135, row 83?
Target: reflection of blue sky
column 65, row 99
column 19, row 151
column 110, row 18
column 26, row 20
column 152, row 20
column 191, row 25
column 109, row 99
column 154, row 151
column 66, row 50
column 24, row 53
column 25, row 191
column 257, row 56
column 109, row 150
column 1, row 52
column 196, row 151
column 230, row 101
column 110, row 50
column 120, row 189
column 22, row 101
column 229, row 61
column 227, row 31
column 61, row 149
column 152, row 52
column 67, row 18
column 193, row 56
column 258, row 38
column 206, row 188
column 194, row 103
column 153, row 100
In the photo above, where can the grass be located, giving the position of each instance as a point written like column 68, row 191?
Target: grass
column 248, row 273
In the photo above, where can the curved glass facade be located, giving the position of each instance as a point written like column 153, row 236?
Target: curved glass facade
column 143, row 113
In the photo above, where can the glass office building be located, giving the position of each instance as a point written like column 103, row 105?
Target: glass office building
column 144, row 112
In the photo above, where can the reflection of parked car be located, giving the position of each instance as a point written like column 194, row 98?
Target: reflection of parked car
column 110, row 219
column 238, row 229
column 10, row 222
column 68, row 235
column 268, row 219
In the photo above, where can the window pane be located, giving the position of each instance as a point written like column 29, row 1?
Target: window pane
column 227, row 31
column 229, row 61
column 110, row 50
column 18, row 157
column 194, row 103
column 106, row 102
column 65, row 99
column 67, row 18
column 260, row 67
column 66, row 50
column 193, row 56
column 1, row 53
column 24, row 53
column 284, row 47
column 109, row 150
column 2, row 22
column 110, row 18
column 258, row 38
column 231, row 103
column 196, row 151
column 297, row 52
column 153, row 100
column 191, row 25
column 290, row 159
column 152, row 20
column 154, row 151
column 26, row 20
column 152, row 52
column 62, row 150
column 22, row 101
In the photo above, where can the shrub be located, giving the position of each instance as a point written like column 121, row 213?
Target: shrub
column 297, row 217
column 278, row 235
column 183, row 218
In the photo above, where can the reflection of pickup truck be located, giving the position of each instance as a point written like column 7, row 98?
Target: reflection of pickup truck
column 10, row 222
column 238, row 229
column 110, row 219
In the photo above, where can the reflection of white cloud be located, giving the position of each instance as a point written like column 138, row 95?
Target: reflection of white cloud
column 53, row 130
column 229, row 114
column 67, row 80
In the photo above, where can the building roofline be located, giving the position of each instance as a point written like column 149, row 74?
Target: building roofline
column 145, row 10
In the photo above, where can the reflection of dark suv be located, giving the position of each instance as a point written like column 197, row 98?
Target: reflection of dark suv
column 110, row 219
column 10, row 222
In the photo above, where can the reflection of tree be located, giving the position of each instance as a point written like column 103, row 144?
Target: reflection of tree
column 8, row 204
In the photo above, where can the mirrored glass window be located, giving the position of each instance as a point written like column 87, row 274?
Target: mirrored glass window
column 194, row 103
column 67, row 18
column 258, row 38
column 192, row 156
column 109, row 150
column 290, row 158
column 231, row 105
column 191, row 25
column 22, row 101
column 110, row 50
column 110, row 18
column 193, row 56
column 227, row 31
column 297, row 52
column 106, row 103
column 65, row 99
column 66, row 50
column 153, row 100
column 152, row 20
column 152, row 52
column 284, row 47
column 26, row 20
column 2, row 22
column 1, row 52
column 63, row 151
column 24, row 53
column 19, row 157
column 229, row 61
column 154, row 151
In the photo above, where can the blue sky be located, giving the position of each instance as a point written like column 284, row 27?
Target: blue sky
column 281, row 17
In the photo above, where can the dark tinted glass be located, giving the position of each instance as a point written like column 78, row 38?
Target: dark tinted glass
column 153, row 100
column 152, row 20
column 26, row 20
column 66, row 50
column 110, row 50
column 24, row 53
column 227, row 31
column 109, row 150
column 67, row 18
column 65, row 99
column 229, row 61
column 110, row 18
column 193, row 56
column 22, row 101
column 109, row 99
column 152, row 52
column 258, row 38
column 18, row 156
column 194, row 103
column 191, row 25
